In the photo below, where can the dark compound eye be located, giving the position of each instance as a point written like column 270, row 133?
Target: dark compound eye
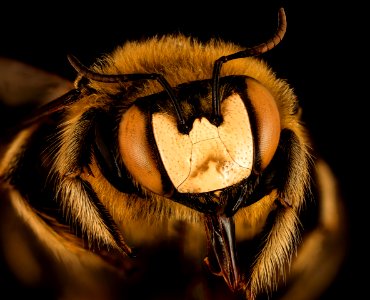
column 267, row 121
column 137, row 152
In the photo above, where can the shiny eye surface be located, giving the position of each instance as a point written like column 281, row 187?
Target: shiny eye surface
column 136, row 150
column 267, row 121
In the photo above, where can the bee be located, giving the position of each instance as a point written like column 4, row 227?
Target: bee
column 170, row 168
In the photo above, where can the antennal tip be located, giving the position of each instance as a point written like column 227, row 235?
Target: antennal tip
column 75, row 63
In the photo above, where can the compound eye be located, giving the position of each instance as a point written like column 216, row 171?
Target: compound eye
column 137, row 152
column 267, row 119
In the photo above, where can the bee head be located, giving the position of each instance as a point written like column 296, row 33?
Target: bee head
column 195, row 141
column 207, row 158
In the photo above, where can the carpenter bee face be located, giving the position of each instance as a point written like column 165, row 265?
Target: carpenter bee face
column 206, row 164
column 206, row 160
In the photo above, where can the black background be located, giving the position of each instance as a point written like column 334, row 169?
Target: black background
column 320, row 56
